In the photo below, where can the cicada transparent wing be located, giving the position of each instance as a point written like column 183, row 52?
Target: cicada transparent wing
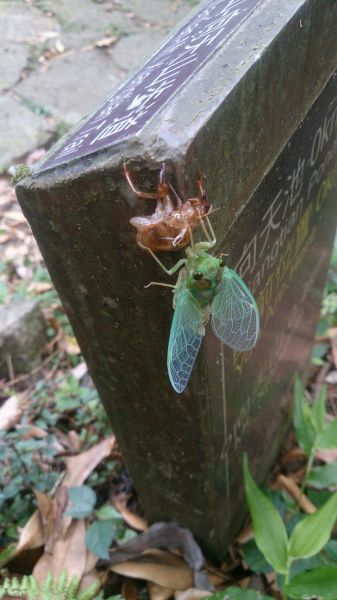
column 187, row 331
column 235, row 315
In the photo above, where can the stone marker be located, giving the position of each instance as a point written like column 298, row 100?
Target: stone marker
column 244, row 91
column 22, row 337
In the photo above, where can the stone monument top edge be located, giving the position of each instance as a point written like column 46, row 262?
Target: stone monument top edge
column 234, row 31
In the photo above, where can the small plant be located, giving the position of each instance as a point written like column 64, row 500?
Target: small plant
column 61, row 589
column 306, row 540
column 314, row 432
column 107, row 526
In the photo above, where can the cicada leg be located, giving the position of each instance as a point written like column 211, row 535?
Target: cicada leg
column 177, row 197
column 161, row 284
column 139, row 194
column 171, row 271
column 211, row 239
column 201, row 187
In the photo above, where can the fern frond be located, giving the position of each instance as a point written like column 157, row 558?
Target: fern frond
column 60, row 589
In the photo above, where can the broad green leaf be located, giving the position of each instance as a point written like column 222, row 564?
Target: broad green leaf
column 327, row 557
column 254, row 558
column 318, row 410
column 99, row 538
column 318, row 497
column 323, row 477
column 82, row 501
column 302, row 418
column 270, row 534
column 108, row 512
column 327, row 438
column 234, row 593
column 320, row 583
column 7, row 553
column 330, row 550
column 313, row 532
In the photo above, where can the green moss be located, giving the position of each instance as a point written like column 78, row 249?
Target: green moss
column 21, row 171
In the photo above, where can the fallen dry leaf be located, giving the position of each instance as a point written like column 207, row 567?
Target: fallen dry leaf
column 191, row 594
column 326, row 456
column 10, row 412
column 90, row 573
column 32, row 535
column 48, row 509
column 69, row 554
column 14, row 215
column 294, row 454
column 70, row 345
column 332, row 376
column 39, row 287
column 129, row 589
column 59, row 46
column 130, row 518
column 167, row 535
column 245, row 535
column 79, row 467
column 79, row 371
column 292, row 488
column 106, row 42
column 30, row 431
column 160, row 567
column 157, row 592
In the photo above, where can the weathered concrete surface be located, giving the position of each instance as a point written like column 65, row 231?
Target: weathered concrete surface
column 48, row 56
column 22, row 336
column 84, row 79
column 184, row 454
column 132, row 49
column 15, row 58
column 21, row 130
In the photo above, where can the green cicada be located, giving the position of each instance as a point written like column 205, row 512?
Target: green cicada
column 206, row 288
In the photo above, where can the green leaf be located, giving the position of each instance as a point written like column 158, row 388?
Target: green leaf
column 3, row 292
column 318, row 497
column 323, row 477
column 108, row 512
column 327, row 438
column 126, row 534
column 331, row 550
column 313, row 532
column 83, row 500
column 99, row 538
column 270, row 534
column 254, row 558
column 302, row 418
column 318, row 362
column 318, row 410
column 321, row 583
column 234, row 593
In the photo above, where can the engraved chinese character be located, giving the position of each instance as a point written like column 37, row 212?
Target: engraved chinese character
column 272, row 218
column 247, row 260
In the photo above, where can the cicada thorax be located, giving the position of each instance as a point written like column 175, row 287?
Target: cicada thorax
column 204, row 277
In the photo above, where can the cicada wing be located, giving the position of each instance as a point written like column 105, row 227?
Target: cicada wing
column 235, row 315
column 187, row 331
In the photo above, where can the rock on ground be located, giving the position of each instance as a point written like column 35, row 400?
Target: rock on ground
column 22, row 337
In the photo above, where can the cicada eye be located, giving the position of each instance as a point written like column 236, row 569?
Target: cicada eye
column 222, row 261
column 197, row 275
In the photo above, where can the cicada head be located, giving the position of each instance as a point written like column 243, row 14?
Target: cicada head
column 204, row 277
